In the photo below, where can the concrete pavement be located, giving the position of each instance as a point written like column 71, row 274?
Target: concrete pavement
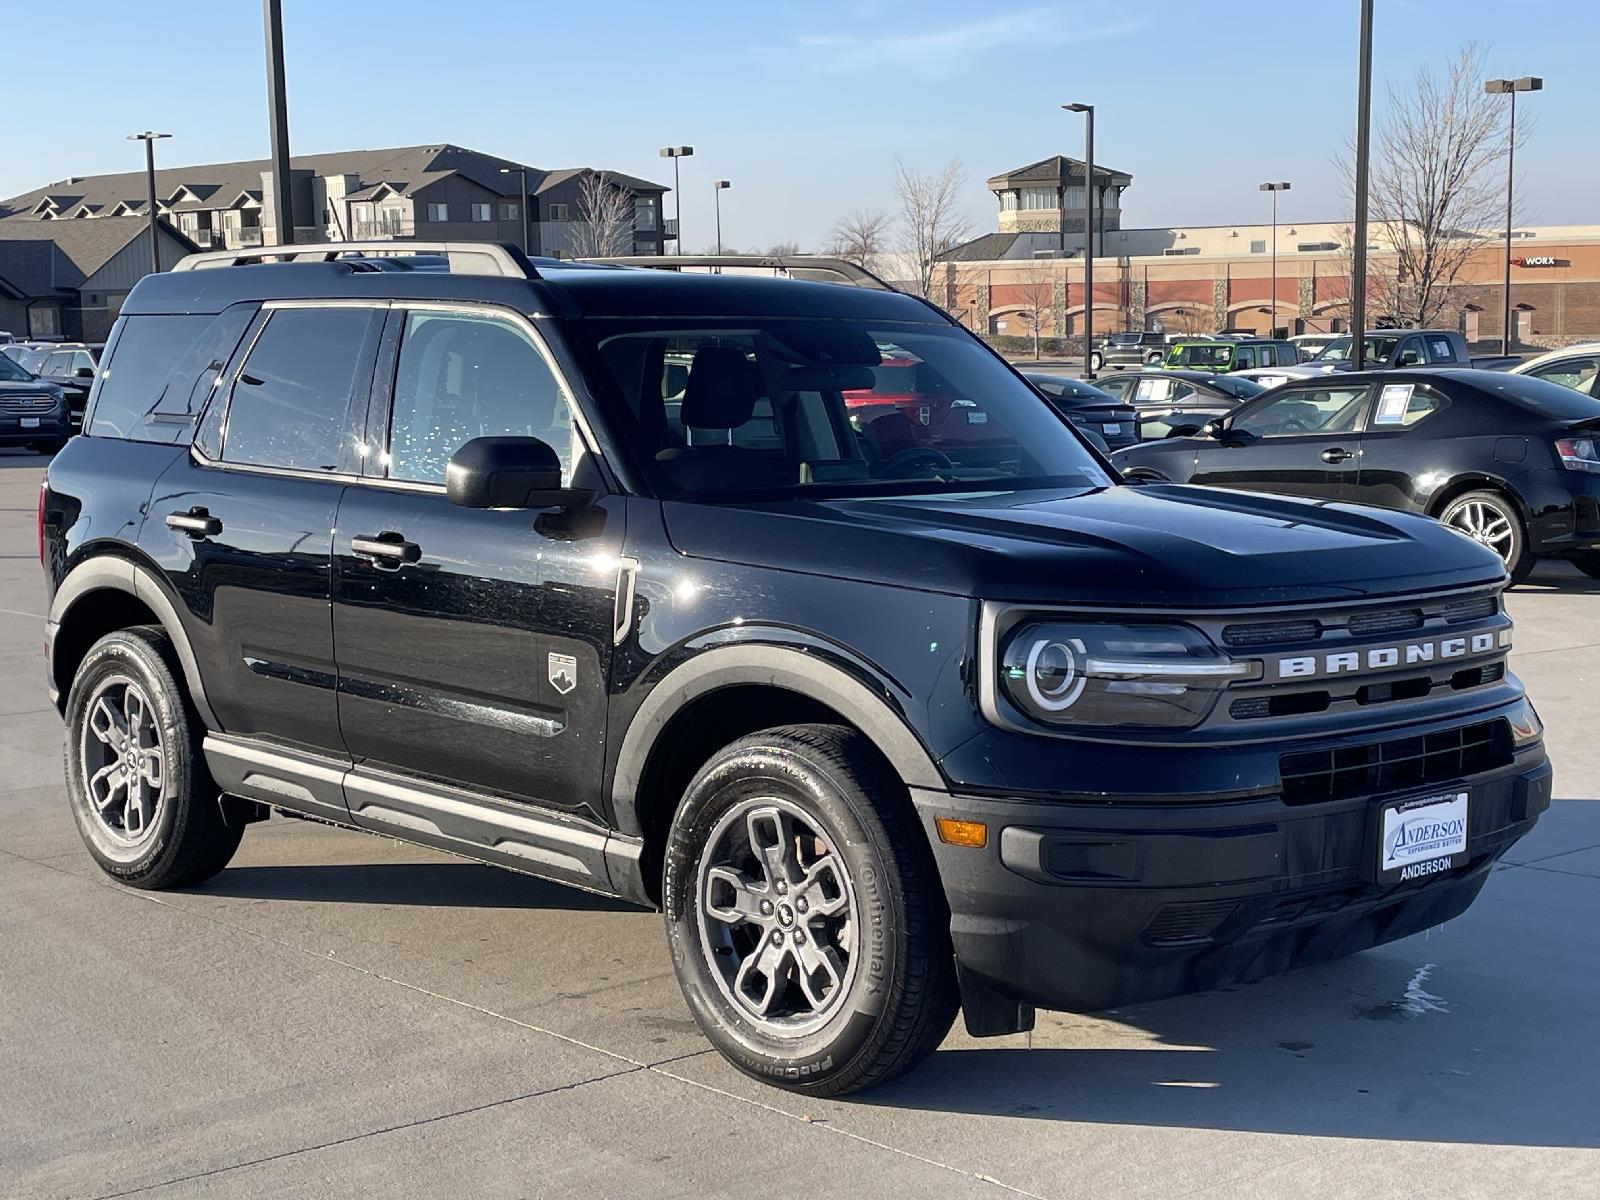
column 341, row 1015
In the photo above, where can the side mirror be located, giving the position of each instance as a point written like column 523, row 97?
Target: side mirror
column 1214, row 428
column 1409, row 359
column 509, row 472
column 1092, row 436
column 84, row 373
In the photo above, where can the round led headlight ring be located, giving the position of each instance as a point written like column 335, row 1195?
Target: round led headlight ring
column 1054, row 678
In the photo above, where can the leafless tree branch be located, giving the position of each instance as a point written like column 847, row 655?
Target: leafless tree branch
column 930, row 217
column 603, row 224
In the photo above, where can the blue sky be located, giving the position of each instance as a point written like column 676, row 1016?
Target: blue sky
column 803, row 104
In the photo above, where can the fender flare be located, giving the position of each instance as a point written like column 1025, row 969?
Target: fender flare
column 1472, row 481
column 109, row 573
column 776, row 666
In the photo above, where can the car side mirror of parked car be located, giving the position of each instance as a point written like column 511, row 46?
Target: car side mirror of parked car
column 509, row 472
column 84, row 373
column 1214, row 428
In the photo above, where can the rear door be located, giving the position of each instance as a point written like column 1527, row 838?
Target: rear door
column 474, row 645
column 1299, row 441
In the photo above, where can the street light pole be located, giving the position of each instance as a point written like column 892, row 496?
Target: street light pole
column 148, row 137
column 527, row 235
column 1272, row 321
column 278, row 122
column 675, row 153
column 1510, row 87
column 1358, row 269
column 717, row 189
column 1088, row 234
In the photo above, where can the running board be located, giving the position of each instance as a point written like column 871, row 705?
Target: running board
column 477, row 826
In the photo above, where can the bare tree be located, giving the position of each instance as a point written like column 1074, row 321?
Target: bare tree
column 603, row 225
column 861, row 237
column 1037, row 295
column 930, row 216
column 1434, row 188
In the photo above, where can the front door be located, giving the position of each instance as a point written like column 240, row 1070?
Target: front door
column 1394, row 471
column 1300, row 441
column 474, row 645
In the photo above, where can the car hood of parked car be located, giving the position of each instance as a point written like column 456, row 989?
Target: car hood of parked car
column 1161, row 545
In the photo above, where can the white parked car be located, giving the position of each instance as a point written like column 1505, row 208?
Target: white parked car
column 1576, row 367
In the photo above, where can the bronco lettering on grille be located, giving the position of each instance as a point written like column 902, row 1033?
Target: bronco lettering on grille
column 1382, row 658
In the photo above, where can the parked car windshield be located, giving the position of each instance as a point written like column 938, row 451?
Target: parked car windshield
column 793, row 407
column 31, row 360
column 1200, row 356
column 1377, row 349
column 11, row 372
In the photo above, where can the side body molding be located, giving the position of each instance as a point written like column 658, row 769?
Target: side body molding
column 774, row 666
column 124, row 575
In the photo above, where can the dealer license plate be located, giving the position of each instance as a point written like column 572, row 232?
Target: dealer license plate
column 30, row 422
column 1112, row 427
column 1422, row 836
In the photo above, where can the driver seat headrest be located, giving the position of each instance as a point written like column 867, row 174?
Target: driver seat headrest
column 722, row 389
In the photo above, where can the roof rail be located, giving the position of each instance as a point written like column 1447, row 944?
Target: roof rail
column 463, row 258
column 818, row 268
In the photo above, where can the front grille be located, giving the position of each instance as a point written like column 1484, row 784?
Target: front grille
column 1376, row 624
column 1274, row 633
column 1470, row 610
column 1177, row 924
column 1377, row 768
column 26, row 402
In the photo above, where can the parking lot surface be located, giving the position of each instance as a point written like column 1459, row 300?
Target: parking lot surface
column 338, row 1015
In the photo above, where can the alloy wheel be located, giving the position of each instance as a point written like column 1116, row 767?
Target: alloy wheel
column 1487, row 524
column 123, row 761
column 778, row 917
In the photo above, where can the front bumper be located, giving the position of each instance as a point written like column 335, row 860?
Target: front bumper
column 52, row 425
column 1087, row 906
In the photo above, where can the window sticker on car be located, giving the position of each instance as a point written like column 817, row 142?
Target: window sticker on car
column 1392, row 404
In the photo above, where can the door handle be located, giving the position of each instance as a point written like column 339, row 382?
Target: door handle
column 388, row 549
column 1336, row 454
column 197, row 523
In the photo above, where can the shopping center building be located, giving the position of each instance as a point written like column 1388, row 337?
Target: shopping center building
column 1200, row 279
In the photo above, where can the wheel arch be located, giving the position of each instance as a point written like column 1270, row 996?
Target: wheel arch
column 726, row 693
column 110, row 592
column 1474, row 481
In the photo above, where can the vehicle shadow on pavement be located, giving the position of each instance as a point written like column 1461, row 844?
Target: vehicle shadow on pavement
column 448, row 884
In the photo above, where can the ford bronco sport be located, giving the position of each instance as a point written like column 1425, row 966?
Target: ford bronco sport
column 593, row 573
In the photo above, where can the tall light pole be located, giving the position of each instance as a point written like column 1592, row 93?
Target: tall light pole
column 148, row 137
column 675, row 153
column 1358, row 268
column 717, row 189
column 1088, row 234
column 278, row 122
column 527, row 236
column 1274, row 188
column 1510, row 87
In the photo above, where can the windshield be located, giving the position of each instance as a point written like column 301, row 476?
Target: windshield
column 1239, row 389
column 792, row 407
column 1375, row 349
column 31, row 360
column 10, row 372
column 1211, row 355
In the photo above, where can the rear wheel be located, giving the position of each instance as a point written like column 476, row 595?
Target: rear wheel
column 145, row 805
column 1588, row 562
column 804, row 913
column 1492, row 520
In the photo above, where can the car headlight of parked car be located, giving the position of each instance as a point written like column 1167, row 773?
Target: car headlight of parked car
column 1106, row 675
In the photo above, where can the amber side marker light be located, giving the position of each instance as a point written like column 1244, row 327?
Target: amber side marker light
column 962, row 833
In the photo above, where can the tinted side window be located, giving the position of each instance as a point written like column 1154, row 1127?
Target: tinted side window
column 139, row 372
column 1576, row 373
column 1304, row 411
column 291, row 401
column 461, row 377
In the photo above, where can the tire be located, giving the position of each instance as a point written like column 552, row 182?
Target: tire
column 1097, row 361
column 1492, row 519
column 168, row 829
column 1588, row 562
column 1152, row 360
column 863, row 1018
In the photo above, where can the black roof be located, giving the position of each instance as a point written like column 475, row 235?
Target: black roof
column 560, row 290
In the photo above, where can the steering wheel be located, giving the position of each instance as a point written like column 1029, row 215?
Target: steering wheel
column 899, row 463
column 1294, row 425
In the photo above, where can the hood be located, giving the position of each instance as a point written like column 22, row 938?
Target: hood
column 31, row 386
column 1156, row 546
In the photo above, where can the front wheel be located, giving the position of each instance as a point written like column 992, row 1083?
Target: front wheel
column 1492, row 520
column 1152, row 360
column 1097, row 361
column 1588, row 562
column 804, row 913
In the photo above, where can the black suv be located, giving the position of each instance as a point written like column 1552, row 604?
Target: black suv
column 595, row 573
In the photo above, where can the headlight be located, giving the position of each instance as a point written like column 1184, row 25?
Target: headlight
column 1126, row 676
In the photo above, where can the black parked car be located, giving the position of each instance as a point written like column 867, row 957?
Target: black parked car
column 887, row 705
column 1178, row 403
column 1506, row 459
column 1086, row 406
column 33, row 412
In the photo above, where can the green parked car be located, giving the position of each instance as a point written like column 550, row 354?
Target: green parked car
column 1221, row 355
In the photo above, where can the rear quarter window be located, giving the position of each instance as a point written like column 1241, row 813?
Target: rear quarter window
column 158, row 371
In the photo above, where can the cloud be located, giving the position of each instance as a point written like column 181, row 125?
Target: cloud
column 936, row 50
